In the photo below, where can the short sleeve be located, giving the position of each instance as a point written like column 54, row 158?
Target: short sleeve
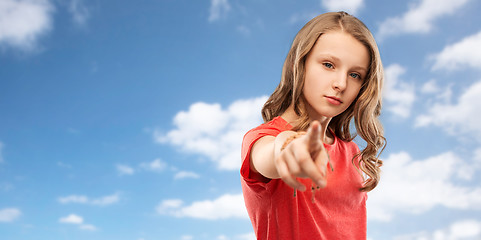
column 249, row 139
column 272, row 128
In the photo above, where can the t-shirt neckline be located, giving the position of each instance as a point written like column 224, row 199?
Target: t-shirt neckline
column 290, row 127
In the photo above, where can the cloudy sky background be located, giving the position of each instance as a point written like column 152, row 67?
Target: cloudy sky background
column 123, row 119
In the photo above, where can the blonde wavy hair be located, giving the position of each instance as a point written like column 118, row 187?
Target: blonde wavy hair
column 365, row 109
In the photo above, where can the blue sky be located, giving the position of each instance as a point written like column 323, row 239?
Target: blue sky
column 123, row 119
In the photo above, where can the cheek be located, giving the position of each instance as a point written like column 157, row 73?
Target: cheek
column 354, row 93
column 357, row 87
column 308, row 85
column 311, row 88
column 315, row 81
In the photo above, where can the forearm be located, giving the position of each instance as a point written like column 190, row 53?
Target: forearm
column 264, row 152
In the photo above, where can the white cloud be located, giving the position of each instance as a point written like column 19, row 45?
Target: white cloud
column 73, row 199
column 106, row 200
column 464, row 229
column 477, row 155
column 430, row 87
column 22, row 22
column 436, row 92
column 80, row 13
column 398, row 94
column 169, row 206
column 460, row 55
column 226, row 206
column 419, row 18
column 186, row 174
column 156, row 165
column 247, row 236
column 124, row 169
column 88, row 227
column 9, row 214
column 218, row 9
column 72, row 219
column 424, row 184
column 186, row 237
column 102, row 201
column 350, row 6
column 459, row 118
column 77, row 220
column 216, row 133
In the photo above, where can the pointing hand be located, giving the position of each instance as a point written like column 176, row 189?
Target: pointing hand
column 303, row 157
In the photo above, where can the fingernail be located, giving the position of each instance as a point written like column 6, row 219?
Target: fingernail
column 321, row 183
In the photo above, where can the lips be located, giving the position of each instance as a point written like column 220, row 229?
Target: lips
column 333, row 100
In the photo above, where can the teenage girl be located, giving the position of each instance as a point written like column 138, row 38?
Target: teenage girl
column 302, row 176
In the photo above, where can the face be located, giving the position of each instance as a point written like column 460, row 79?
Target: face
column 334, row 73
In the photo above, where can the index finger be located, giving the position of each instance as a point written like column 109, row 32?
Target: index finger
column 314, row 136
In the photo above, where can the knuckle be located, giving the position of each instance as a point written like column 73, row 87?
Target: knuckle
column 302, row 159
column 296, row 171
column 279, row 159
column 284, row 175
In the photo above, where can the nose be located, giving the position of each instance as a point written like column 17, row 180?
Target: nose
column 340, row 82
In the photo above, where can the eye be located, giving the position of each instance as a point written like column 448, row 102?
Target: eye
column 328, row 65
column 355, row 75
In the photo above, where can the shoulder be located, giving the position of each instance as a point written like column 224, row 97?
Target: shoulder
column 273, row 127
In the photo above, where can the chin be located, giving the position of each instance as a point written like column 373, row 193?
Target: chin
column 320, row 116
column 323, row 112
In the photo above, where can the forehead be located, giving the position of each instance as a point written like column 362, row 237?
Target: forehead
column 343, row 46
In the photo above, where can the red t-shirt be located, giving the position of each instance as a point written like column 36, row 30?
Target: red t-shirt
column 339, row 209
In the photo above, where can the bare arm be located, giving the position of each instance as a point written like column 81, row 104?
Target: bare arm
column 303, row 157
